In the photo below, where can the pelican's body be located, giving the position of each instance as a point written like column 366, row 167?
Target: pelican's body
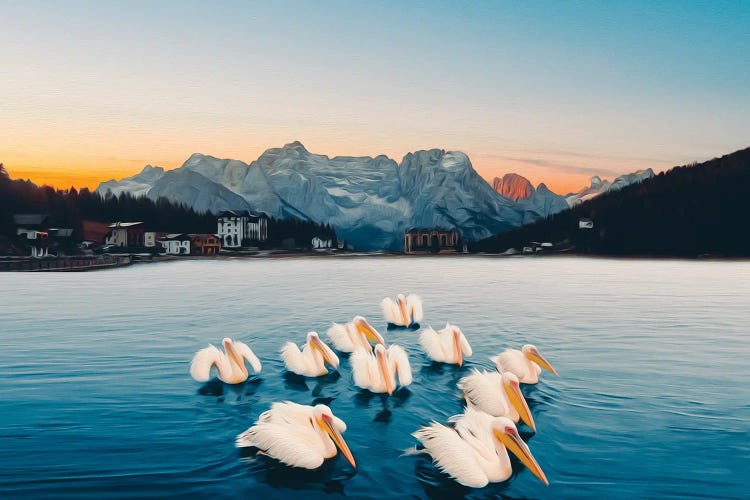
column 475, row 451
column 230, row 363
column 525, row 364
column 404, row 311
column 448, row 345
column 496, row 394
column 382, row 370
column 311, row 360
column 297, row 435
column 355, row 335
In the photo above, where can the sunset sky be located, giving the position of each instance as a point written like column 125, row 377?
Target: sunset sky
column 557, row 92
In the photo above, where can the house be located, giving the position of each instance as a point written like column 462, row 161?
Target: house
column 94, row 232
column 32, row 229
column 176, row 244
column 204, row 244
column 125, row 234
column 585, row 224
column 236, row 229
column 319, row 243
column 430, row 240
column 151, row 238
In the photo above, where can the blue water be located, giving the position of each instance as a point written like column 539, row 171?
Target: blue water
column 653, row 398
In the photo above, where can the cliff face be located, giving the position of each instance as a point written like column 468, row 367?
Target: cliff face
column 513, row 186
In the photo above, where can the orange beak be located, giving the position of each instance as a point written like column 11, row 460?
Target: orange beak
column 513, row 442
column 326, row 423
column 457, row 348
column 384, row 371
column 541, row 361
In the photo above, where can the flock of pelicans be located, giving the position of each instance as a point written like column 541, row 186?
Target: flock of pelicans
column 473, row 451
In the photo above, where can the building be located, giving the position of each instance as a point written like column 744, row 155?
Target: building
column 430, row 240
column 204, row 244
column 176, row 244
column 151, row 238
column 236, row 229
column 319, row 243
column 94, row 232
column 125, row 234
column 32, row 230
column 585, row 224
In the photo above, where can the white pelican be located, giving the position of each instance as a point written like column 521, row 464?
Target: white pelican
column 357, row 334
column 526, row 364
column 298, row 435
column 448, row 345
column 475, row 451
column 382, row 370
column 496, row 394
column 311, row 360
column 231, row 363
column 405, row 311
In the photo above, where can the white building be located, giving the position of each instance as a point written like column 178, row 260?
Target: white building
column 319, row 243
column 125, row 234
column 150, row 238
column 236, row 228
column 176, row 244
column 585, row 224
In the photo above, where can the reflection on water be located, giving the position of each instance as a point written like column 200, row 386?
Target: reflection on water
column 96, row 399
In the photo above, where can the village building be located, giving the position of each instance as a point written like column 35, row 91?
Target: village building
column 32, row 229
column 151, row 238
column 236, row 229
column 94, row 232
column 319, row 243
column 204, row 244
column 125, row 234
column 585, row 224
column 176, row 244
column 430, row 240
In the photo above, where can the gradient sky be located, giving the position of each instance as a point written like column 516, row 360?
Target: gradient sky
column 555, row 91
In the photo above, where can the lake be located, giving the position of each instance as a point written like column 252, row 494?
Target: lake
column 653, row 397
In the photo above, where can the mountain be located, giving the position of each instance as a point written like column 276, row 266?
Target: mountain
column 688, row 211
column 513, row 186
column 599, row 186
column 369, row 201
column 535, row 203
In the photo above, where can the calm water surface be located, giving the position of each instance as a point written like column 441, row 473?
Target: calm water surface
column 653, row 398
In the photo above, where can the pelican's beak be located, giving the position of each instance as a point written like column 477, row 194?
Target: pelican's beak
column 384, row 371
column 457, row 348
column 539, row 359
column 326, row 423
column 370, row 333
column 325, row 351
column 232, row 354
column 515, row 396
column 513, row 442
column 402, row 308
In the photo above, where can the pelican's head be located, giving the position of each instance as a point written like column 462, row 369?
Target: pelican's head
column 370, row 333
column 456, row 333
column 324, row 420
column 313, row 340
column 532, row 353
column 505, row 434
column 381, row 357
column 512, row 388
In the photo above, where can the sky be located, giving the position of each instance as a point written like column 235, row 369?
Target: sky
column 555, row 91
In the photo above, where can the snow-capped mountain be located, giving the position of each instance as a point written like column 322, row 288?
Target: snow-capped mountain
column 369, row 201
column 599, row 186
column 536, row 203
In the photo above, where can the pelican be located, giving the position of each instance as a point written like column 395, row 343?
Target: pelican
column 311, row 360
column 405, row 311
column 475, row 451
column 231, row 363
column 382, row 370
column 448, row 345
column 496, row 394
column 357, row 334
column 526, row 364
column 298, row 435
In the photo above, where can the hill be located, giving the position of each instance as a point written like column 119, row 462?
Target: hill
column 687, row 211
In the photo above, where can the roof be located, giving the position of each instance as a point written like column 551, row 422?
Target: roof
column 242, row 213
column 124, row 224
column 177, row 236
column 29, row 219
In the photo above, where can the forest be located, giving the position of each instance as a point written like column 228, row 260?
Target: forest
column 688, row 211
column 69, row 207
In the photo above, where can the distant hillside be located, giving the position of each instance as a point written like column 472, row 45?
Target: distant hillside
column 688, row 211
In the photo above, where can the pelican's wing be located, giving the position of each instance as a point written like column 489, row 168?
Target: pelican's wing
column 249, row 355
column 339, row 335
column 431, row 344
column 200, row 367
column 287, row 412
column 483, row 390
column 414, row 307
column 475, row 427
column 292, row 357
column 465, row 346
column 452, row 454
column 298, row 446
column 391, row 311
column 510, row 360
column 363, row 369
column 398, row 359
